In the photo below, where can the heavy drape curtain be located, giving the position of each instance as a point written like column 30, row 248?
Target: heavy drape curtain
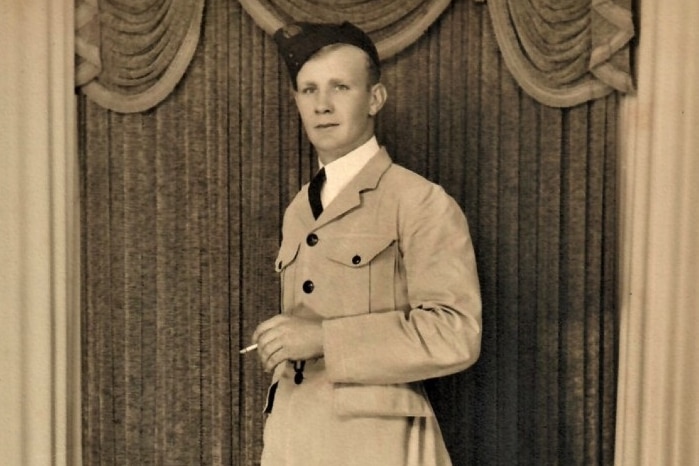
column 182, row 206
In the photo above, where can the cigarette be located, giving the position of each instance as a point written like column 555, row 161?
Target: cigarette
column 247, row 349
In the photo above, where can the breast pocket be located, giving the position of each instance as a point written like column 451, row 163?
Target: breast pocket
column 360, row 270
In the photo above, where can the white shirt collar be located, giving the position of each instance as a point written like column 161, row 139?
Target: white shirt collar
column 341, row 171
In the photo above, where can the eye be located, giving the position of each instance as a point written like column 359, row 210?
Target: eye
column 308, row 90
column 341, row 87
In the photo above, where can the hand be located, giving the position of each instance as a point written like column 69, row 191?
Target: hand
column 283, row 338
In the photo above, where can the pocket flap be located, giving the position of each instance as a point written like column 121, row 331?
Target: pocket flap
column 287, row 253
column 356, row 250
column 381, row 400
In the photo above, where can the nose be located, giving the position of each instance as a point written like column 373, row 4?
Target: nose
column 323, row 103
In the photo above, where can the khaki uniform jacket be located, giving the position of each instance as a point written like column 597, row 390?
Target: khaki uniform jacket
column 389, row 268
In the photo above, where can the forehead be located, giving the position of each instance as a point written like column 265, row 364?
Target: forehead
column 335, row 61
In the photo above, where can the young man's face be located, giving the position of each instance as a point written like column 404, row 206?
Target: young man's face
column 335, row 101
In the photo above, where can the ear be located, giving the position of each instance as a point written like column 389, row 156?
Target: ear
column 378, row 98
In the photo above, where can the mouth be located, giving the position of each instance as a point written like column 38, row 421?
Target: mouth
column 326, row 125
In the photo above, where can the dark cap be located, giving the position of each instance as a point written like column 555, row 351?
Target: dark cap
column 297, row 42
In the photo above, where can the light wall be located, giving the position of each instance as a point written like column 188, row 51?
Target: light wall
column 658, row 404
column 39, row 329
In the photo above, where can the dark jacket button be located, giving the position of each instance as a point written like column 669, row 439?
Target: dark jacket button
column 356, row 260
column 312, row 239
column 308, row 286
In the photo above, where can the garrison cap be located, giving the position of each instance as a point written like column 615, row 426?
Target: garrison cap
column 297, row 42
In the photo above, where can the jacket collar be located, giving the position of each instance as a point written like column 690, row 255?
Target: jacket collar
column 350, row 197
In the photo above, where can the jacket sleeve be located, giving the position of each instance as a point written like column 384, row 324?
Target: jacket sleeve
column 441, row 333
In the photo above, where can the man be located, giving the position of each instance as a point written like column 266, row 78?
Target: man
column 379, row 282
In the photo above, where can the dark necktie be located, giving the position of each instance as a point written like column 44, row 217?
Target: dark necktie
column 314, row 189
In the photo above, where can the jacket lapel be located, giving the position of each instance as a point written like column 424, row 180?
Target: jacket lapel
column 350, row 197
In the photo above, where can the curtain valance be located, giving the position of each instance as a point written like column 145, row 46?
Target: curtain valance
column 565, row 52
column 131, row 55
column 392, row 25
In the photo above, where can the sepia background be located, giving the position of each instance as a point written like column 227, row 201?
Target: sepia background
column 180, row 208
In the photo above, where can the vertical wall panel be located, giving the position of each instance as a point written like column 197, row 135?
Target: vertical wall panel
column 658, row 415
column 183, row 207
column 39, row 281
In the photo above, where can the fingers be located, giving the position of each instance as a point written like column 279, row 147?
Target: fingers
column 285, row 337
column 268, row 337
column 271, row 356
column 268, row 325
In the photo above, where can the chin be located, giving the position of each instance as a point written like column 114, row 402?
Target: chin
column 322, row 144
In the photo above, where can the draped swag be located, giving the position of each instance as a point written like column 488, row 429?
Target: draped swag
column 392, row 25
column 181, row 212
column 565, row 52
column 131, row 54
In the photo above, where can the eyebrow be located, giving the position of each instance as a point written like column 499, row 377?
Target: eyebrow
column 332, row 82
